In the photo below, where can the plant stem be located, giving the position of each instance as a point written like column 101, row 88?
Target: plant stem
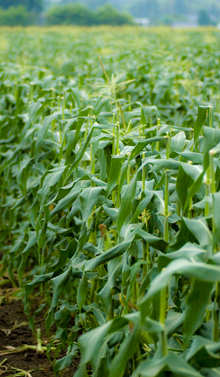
column 143, row 173
column 163, row 301
column 166, row 213
column 158, row 143
column 215, row 335
column 117, row 138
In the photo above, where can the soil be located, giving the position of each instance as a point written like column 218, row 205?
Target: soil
column 15, row 332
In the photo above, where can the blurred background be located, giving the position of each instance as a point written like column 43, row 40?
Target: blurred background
column 175, row 13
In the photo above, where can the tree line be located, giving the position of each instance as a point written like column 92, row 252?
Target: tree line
column 29, row 12
column 100, row 12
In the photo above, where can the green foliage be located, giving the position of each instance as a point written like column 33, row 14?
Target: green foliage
column 16, row 16
column 107, row 15
column 78, row 14
column 110, row 178
column 70, row 14
column 31, row 5
column 204, row 19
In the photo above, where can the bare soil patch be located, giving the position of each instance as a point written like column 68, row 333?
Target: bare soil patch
column 15, row 332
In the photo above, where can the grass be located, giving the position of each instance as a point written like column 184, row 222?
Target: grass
column 110, row 177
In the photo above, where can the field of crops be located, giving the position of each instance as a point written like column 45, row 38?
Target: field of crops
column 110, row 202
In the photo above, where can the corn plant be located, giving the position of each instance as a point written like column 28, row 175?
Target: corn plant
column 112, row 211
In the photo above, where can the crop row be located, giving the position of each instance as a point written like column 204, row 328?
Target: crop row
column 110, row 203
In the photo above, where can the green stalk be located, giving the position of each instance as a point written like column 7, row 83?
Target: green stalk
column 135, row 293
column 113, row 140
column 39, row 348
column 212, row 186
column 166, row 213
column 215, row 335
column 118, row 152
column 128, row 171
column 92, row 160
column 94, row 286
column 129, row 101
column 210, row 116
column 166, row 193
column 190, row 209
column 209, row 169
column 158, row 143
column 117, row 138
column 146, row 258
column 63, row 107
column 113, row 152
column 143, row 173
column 207, row 194
column 85, row 136
column 212, row 171
column 163, row 302
column 167, row 146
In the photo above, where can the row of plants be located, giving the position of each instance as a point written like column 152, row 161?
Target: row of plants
column 110, row 199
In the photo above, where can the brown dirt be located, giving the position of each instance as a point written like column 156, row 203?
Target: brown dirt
column 15, row 332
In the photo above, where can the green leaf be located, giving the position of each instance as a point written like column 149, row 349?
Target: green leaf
column 187, row 251
column 199, row 229
column 88, row 199
column 114, row 252
column 142, row 144
column 82, row 291
column 195, row 307
column 38, row 279
column 172, row 363
column 114, row 267
column 42, row 133
column 50, row 180
column 66, row 360
column 196, row 158
column 79, row 154
column 126, row 351
column 126, row 203
column 67, row 200
column 32, row 241
column 178, row 142
column 200, row 120
column 211, row 139
column 203, row 352
column 114, row 173
column 58, row 285
column 91, row 343
column 201, row 271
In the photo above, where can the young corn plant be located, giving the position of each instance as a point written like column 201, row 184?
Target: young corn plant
column 110, row 197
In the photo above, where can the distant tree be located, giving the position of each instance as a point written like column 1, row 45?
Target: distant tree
column 31, row 5
column 70, row 14
column 78, row 14
column 167, row 20
column 107, row 15
column 204, row 19
column 15, row 16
